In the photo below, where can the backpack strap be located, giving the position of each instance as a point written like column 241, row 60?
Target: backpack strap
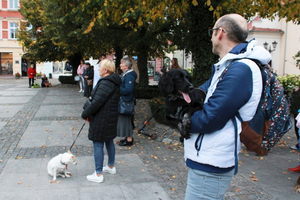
column 236, row 166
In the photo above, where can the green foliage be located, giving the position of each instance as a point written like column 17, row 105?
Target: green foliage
column 297, row 59
column 289, row 82
column 155, row 103
column 190, row 70
column 66, row 80
column 35, row 85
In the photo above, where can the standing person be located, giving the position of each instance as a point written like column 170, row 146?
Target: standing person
column 80, row 71
column 210, row 151
column 88, row 74
column 175, row 64
column 31, row 74
column 96, row 67
column 103, row 117
column 125, row 128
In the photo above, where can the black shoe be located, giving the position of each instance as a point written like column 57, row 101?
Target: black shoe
column 126, row 143
column 123, row 140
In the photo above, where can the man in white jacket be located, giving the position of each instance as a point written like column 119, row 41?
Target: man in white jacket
column 210, row 152
column 97, row 77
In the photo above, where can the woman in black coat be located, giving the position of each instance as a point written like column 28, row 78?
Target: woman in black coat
column 88, row 74
column 102, row 114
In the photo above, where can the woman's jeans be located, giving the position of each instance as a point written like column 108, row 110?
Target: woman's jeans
column 81, row 82
column 99, row 154
column 206, row 185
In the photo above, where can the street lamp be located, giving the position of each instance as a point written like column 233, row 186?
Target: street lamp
column 274, row 44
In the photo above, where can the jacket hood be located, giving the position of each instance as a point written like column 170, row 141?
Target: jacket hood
column 115, row 78
column 248, row 50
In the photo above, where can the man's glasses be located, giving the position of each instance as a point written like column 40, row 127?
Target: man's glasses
column 210, row 31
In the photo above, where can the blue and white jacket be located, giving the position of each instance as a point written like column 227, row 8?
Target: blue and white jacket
column 211, row 147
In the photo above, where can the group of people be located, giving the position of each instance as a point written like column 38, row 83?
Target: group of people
column 31, row 72
column 211, row 158
column 105, row 120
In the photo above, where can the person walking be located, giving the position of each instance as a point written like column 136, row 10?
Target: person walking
column 31, row 74
column 80, row 71
column 102, row 114
column 211, row 151
column 97, row 77
column 88, row 75
column 125, row 127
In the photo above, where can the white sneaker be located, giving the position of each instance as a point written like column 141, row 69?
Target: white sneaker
column 109, row 170
column 80, row 90
column 294, row 147
column 95, row 178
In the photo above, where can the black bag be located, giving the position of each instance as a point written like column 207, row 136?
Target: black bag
column 126, row 107
column 87, row 104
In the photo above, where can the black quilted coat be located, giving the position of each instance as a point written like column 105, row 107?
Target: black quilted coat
column 103, row 112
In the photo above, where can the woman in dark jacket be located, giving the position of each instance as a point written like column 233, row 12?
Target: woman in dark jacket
column 125, row 127
column 88, row 74
column 103, row 117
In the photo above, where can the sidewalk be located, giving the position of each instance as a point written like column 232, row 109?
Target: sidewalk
column 37, row 124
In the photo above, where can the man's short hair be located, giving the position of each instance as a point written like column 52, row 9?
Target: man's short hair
column 234, row 30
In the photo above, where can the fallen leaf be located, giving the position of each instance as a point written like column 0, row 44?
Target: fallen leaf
column 284, row 172
column 251, row 176
column 237, row 190
column 246, row 154
column 253, row 179
column 19, row 157
column 252, row 172
column 173, row 189
column 58, row 181
column 52, row 181
column 174, row 176
column 176, row 144
column 19, row 183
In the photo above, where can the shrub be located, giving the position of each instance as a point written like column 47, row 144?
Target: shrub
column 155, row 103
column 147, row 93
column 67, row 80
column 289, row 83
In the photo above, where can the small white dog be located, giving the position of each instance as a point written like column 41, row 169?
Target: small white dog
column 58, row 165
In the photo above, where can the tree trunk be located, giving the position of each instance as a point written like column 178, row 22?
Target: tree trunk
column 201, row 48
column 142, row 54
column 119, row 55
column 75, row 61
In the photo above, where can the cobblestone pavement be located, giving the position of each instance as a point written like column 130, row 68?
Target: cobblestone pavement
column 25, row 110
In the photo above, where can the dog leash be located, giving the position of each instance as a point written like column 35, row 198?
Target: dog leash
column 77, row 136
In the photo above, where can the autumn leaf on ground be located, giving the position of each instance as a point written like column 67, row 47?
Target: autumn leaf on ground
column 252, row 172
column 253, row 179
column 173, row 189
column 176, row 144
column 240, row 162
column 19, row 157
column 43, row 146
column 246, row 154
column 284, row 172
column 52, row 181
column 237, row 190
column 251, row 176
column 19, row 183
column 174, row 176
column 47, row 129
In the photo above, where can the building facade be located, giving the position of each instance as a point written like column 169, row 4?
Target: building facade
column 10, row 50
column 287, row 37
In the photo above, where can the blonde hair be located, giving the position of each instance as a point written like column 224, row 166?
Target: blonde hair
column 109, row 65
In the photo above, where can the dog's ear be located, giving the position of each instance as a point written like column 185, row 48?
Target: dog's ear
column 165, row 84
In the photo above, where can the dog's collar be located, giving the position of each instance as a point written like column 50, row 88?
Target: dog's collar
column 64, row 164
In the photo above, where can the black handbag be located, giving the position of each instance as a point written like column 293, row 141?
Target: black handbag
column 126, row 107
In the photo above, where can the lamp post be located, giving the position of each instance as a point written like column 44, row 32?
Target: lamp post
column 274, row 44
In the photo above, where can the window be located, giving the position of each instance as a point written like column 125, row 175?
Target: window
column 13, row 4
column 13, row 30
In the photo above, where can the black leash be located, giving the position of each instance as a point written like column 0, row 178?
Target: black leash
column 77, row 136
